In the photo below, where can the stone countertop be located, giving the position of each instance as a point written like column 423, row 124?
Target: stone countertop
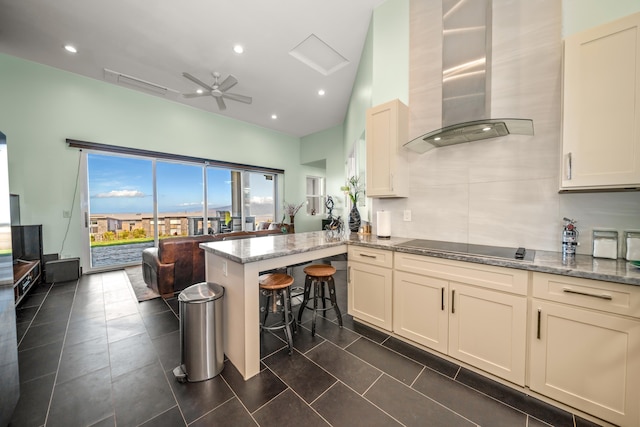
column 585, row 266
column 260, row 248
column 265, row 247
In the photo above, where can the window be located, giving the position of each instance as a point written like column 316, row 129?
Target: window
column 142, row 195
column 315, row 195
column 258, row 200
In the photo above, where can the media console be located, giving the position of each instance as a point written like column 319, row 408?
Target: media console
column 25, row 275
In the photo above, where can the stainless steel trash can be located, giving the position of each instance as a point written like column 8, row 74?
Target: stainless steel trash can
column 201, row 345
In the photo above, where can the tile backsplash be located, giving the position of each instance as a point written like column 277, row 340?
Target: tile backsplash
column 503, row 191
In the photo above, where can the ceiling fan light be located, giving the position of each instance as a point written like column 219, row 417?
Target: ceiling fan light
column 199, row 91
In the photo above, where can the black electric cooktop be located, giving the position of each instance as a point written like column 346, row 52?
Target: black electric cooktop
column 519, row 254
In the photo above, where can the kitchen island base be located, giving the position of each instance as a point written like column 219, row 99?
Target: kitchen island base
column 241, row 323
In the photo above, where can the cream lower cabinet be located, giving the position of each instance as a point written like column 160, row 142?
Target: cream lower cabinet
column 369, row 282
column 585, row 346
column 475, row 313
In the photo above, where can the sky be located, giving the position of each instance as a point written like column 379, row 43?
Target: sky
column 119, row 184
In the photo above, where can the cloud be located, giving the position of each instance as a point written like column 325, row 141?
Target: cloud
column 120, row 194
column 262, row 200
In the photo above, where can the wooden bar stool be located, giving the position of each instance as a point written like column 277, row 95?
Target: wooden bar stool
column 275, row 287
column 317, row 275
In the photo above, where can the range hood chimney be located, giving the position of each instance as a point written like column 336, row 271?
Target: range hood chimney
column 466, row 80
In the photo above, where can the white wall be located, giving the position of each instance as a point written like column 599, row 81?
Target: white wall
column 42, row 106
column 503, row 191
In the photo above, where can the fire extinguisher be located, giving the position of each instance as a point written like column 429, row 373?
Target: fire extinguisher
column 569, row 237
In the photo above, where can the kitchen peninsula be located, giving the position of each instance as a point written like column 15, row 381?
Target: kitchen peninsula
column 236, row 264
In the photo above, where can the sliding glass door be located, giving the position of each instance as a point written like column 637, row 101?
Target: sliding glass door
column 133, row 201
column 120, row 209
column 220, row 204
column 258, row 196
column 180, row 199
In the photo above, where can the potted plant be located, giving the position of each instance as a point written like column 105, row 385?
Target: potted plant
column 291, row 210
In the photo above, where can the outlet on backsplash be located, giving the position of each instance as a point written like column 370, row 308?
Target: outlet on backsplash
column 406, row 215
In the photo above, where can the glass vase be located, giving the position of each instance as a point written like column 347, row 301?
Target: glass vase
column 354, row 219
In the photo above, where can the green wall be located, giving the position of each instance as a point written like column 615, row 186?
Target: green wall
column 42, row 106
column 383, row 73
column 578, row 15
column 325, row 149
column 391, row 52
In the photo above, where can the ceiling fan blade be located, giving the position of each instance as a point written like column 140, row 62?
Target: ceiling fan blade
column 198, row 82
column 239, row 98
column 228, row 83
column 194, row 95
column 221, row 104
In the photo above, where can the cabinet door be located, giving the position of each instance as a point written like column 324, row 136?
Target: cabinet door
column 369, row 289
column 386, row 132
column 420, row 309
column 587, row 359
column 488, row 329
column 601, row 115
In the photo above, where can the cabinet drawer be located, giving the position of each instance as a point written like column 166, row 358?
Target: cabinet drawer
column 377, row 257
column 588, row 293
column 486, row 276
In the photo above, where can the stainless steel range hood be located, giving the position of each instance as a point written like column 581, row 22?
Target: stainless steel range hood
column 466, row 80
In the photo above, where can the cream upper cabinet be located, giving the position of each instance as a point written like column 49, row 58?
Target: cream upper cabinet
column 369, row 285
column 475, row 313
column 386, row 132
column 601, row 107
column 585, row 346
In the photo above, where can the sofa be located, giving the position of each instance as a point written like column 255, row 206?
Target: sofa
column 178, row 262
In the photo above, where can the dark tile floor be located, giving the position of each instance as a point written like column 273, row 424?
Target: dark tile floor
column 91, row 355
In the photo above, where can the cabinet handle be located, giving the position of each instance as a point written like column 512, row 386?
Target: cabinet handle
column 442, row 299
column 567, row 166
column 539, row 316
column 587, row 294
column 391, row 181
column 368, row 256
column 349, row 274
column 453, row 301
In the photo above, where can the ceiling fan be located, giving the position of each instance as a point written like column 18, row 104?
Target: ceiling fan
column 217, row 90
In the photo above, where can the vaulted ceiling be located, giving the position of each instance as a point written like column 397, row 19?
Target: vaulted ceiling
column 292, row 50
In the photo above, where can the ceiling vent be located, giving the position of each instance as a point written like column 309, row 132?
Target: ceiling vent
column 318, row 55
column 138, row 84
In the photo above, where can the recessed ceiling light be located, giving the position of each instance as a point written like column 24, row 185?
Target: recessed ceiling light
column 238, row 49
column 321, row 92
column 274, row 116
column 71, row 49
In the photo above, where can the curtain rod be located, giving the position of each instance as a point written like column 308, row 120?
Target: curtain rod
column 74, row 143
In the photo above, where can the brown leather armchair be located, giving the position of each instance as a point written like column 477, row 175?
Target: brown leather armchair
column 178, row 262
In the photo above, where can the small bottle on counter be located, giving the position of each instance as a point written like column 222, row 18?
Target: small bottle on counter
column 605, row 244
column 569, row 238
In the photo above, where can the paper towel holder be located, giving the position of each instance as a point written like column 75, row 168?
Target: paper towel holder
column 383, row 229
